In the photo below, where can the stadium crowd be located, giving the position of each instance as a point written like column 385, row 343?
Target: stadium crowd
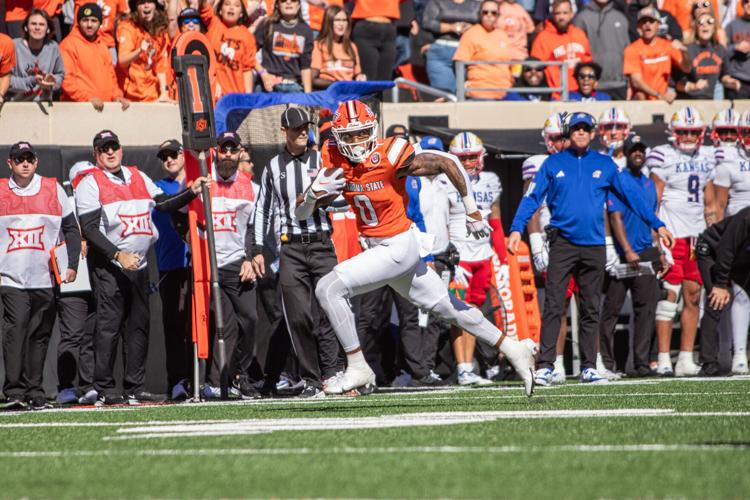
column 112, row 50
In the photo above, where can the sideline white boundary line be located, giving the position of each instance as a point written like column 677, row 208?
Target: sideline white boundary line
column 203, row 452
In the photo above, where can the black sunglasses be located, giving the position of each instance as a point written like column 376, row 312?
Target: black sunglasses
column 230, row 149
column 24, row 158
column 490, row 13
column 171, row 155
column 587, row 76
column 113, row 146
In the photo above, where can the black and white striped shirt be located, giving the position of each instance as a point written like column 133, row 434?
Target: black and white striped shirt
column 284, row 178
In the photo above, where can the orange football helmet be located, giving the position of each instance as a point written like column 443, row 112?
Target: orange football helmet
column 355, row 128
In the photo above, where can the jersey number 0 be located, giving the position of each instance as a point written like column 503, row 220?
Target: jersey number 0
column 366, row 211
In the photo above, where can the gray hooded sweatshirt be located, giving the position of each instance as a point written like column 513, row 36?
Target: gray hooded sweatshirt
column 607, row 31
column 22, row 82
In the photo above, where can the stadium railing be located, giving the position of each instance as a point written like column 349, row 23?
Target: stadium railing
column 420, row 87
column 461, row 78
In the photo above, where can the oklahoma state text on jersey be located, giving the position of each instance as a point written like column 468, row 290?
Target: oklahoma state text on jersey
column 372, row 189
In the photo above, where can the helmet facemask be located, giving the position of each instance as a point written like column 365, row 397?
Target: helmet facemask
column 613, row 135
column 725, row 136
column 473, row 162
column 688, row 140
column 355, row 148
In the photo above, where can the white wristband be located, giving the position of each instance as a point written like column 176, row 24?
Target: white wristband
column 608, row 241
column 469, row 203
column 536, row 240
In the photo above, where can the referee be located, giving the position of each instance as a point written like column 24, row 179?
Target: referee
column 307, row 252
column 576, row 183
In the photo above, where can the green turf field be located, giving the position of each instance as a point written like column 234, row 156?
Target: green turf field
column 675, row 438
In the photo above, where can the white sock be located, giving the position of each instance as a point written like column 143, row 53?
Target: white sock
column 685, row 356
column 664, row 359
column 465, row 367
column 740, row 319
column 559, row 364
column 356, row 359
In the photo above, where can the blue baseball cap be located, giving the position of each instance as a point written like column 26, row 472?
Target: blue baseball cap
column 431, row 142
column 579, row 118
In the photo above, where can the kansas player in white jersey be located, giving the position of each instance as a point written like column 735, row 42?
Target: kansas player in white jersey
column 731, row 134
column 474, row 271
column 683, row 172
column 554, row 141
column 613, row 128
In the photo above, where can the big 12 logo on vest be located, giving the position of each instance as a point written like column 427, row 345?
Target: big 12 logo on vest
column 225, row 222
column 136, row 224
column 26, row 239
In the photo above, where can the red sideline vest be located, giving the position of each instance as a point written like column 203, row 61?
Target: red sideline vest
column 29, row 228
column 232, row 205
column 126, row 213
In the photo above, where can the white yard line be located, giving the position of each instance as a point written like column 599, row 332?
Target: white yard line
column 431, row 450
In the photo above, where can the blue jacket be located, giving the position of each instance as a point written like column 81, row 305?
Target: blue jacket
column 414, row 209
column 576, row 190
column 171, row 251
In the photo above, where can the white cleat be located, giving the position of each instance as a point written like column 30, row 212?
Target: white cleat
column 332, row 385
column 686, row 368
column 521, row 357
column 361, row 378
column 558, row 376
column 471, row 378
column 739, row 364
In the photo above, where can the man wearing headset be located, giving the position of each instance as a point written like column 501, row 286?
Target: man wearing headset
column 575, row 182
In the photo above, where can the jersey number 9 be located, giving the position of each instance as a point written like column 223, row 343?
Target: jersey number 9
column 693, row 187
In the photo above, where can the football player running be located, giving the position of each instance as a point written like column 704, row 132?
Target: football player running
column 373, row 181
column 732, row 185
column 613, row 129
column 554, row 141
column 683, row 172
column 475, row 269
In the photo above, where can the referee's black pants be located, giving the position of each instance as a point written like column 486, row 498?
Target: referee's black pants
column 316, row 347
column 435, row 326
column 272, row 344
column 175, row 289
column 644, row 293
column 122, row 309
column 28, row 318
column 239, row 310
column 375, row 318
column 586, row 263
column 76, row 313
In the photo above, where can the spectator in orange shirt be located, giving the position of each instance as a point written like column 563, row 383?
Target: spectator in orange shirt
column 111, row 11
column 485, row 42
column 89, row 74
column 7, row 63
column 142, row 52
column 561, row 41
column 335, row 56
column 650, row 59
column 15, row 12
column 233, row 45
column 517, row 24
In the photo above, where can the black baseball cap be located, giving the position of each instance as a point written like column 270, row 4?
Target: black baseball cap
column 170, row 146
column 105, row 137
column 89, row 10
column 633, row 142
column 391, row 131
column 20, row 149
column 294, row 118
column 229, row 137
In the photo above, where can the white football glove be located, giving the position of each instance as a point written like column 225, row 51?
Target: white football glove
column 325, row 185
column 667, row 254
column 477, row 228
column 612, row 258
column 462, row 275
column 539, row 251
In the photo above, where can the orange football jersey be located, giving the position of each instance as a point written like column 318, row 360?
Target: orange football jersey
column 376, row 195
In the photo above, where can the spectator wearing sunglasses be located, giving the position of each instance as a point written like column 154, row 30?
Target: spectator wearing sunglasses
column 710, row 61
column 587, row 76
column 669, row 28
column 683, row 11
column 738, row 34
column 188, row 19
column 174, row 275
column 700, row 9
column 485, row 42
column 114, row 206
column 531, row 76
